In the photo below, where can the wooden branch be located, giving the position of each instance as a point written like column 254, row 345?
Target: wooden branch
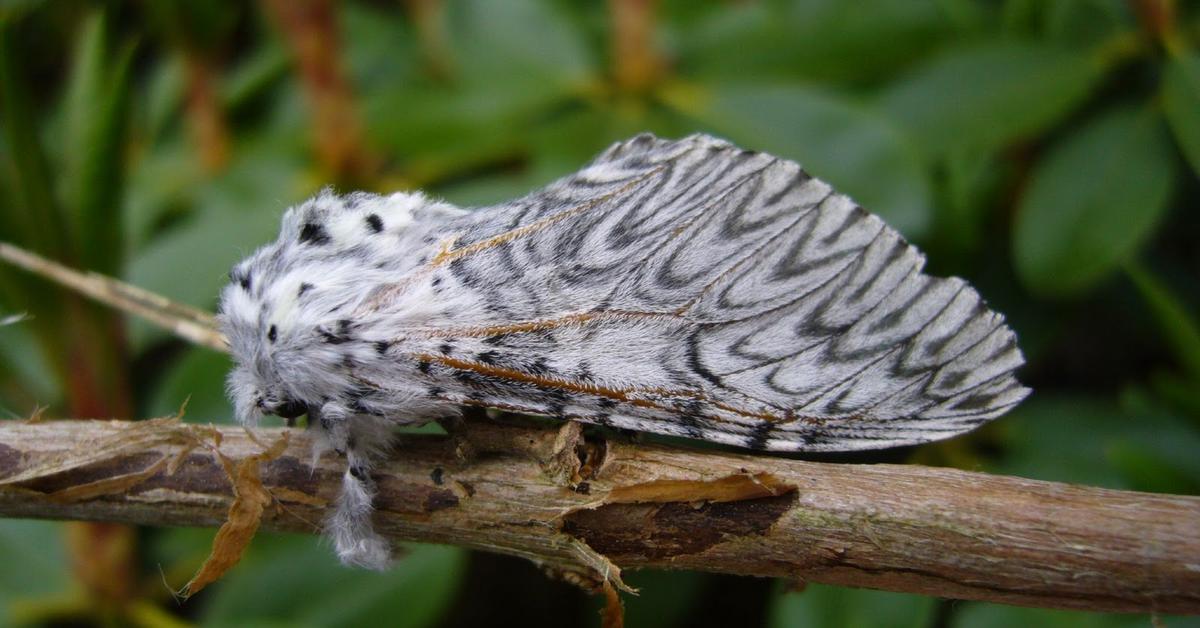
column 569, row 503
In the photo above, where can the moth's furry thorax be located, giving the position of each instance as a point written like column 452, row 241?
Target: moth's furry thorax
column 290, row 306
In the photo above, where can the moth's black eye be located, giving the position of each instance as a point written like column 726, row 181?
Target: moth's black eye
column 290, row 409
column 272, row 333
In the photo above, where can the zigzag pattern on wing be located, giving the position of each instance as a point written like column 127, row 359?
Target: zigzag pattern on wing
column 585, row 233
column 771, row 311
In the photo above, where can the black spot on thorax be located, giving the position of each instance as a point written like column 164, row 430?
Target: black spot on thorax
column 374, row 223
column 314, row 233
column 331, row 338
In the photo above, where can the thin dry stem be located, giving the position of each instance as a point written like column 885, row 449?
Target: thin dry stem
column 196, row 326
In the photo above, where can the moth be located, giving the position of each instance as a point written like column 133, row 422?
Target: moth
column 687, row 288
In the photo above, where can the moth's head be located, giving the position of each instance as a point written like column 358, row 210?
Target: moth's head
column 275, row 343
column 290, row 309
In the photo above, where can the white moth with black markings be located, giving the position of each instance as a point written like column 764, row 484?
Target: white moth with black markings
column 686, row 288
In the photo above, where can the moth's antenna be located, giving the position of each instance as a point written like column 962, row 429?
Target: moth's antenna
column 191, row 324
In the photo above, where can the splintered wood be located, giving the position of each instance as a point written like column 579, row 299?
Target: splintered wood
column 112, row 466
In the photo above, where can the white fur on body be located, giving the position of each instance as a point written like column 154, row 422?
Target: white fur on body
column 302, row 289
column 686, row 288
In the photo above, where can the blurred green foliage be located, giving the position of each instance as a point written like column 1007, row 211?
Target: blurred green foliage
column 1048, row 150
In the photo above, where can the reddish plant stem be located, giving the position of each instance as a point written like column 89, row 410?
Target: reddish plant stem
column 311, row 30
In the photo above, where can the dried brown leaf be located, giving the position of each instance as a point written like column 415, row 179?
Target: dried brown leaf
column 613, row 613
column 284, row 494
column 245, row 515
column 108, row 486
column 135, row 437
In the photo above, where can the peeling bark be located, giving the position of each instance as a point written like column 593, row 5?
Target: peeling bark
column 574, row 504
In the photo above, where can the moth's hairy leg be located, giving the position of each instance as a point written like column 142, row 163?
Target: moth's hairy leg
column 362, row 440
column 354, row 537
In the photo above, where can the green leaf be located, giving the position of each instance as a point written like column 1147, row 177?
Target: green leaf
column 1181, row 102
column 982, row 615
column 162, row 98
column 985, row 96
column 416, row 592
column 825, row 41
column 85, row 83
column 191, row 263
column 34, row 565
column 1179, row 391
column 297, row 581
column 1086, row 21
column 97, row 106
column 528, row 42
column 563, row 145
column 198, row 378
column 32, row 216
column 515, row 62
column 1084, row 440
column 29, row 213
column 1178, row 326
column 23, row 366
column 232, row 216
column 665, row 598
column 852, row 147
column 823, row 605
column 1021, row 16
column 1068, row 21
column 254, row 77
column 967, row 192
column 380, row 47
column 483, row 191
column 161, row 184
column 1092, row 201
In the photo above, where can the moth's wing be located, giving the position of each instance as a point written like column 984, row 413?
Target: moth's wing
column 576, row 242
column 690, row 287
